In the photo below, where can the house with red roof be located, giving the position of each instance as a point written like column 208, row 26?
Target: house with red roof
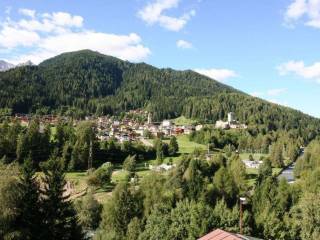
column 219, row 234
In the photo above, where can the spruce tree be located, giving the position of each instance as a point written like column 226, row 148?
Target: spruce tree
column 28, row 221
column 60, row 220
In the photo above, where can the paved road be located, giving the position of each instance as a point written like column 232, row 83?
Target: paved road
column 288, row 173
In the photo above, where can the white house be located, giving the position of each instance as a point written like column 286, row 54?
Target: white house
column 166, row 123
column 252, row 164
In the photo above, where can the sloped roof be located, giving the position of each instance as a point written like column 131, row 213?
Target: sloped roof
column 223, row 235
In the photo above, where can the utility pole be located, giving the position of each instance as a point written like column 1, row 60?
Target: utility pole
column 243, row 201
column 90, row 156
column 241, row 216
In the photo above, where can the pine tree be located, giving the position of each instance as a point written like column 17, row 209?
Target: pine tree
column 129, row 163
column 89, row 211
column 60, row 221
column 28, row 221
column 277, row 155
column 265, row 171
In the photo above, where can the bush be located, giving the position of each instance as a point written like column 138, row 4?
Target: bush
column 101, row 176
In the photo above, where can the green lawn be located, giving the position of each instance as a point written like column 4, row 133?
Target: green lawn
column 186, row 146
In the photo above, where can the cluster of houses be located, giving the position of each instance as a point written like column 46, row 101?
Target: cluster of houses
column 129, row 129
column 232, row 123
column 25, row 119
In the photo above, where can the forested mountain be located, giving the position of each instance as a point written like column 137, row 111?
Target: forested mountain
column 87, row 82
column 95, row 83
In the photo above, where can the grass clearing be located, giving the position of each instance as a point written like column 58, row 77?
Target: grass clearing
column 186, row 146
column 53, row 132
column 252, row 175
column 182, row 120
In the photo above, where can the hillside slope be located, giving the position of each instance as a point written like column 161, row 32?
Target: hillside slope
column 80, row 78
column 86, row 82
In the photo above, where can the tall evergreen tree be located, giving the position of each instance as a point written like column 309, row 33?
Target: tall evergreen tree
column 60, row 220
column 29, row 219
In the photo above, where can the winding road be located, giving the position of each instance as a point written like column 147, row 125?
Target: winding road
column 288, row 173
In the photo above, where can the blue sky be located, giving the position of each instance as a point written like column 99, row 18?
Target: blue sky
column 267, row 48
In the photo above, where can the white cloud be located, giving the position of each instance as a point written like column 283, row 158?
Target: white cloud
column 308, row 10
column 27, row 12
column 298, row 68
column 152, row 13
column 184, row 44
column 51, row 22
column 11, row 37
column 217, row 74
column 65, row 19
column 50, row 34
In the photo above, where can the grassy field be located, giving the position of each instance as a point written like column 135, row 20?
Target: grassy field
column 184, row 121
column 78, row 179
column 252, row 174
column 185, row 147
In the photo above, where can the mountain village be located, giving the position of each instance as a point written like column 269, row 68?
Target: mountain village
column 132, row 127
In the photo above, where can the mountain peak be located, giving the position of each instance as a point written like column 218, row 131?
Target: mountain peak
column 4, row 66
column 27, row 63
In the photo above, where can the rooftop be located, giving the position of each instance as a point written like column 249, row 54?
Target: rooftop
column 219, row 234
